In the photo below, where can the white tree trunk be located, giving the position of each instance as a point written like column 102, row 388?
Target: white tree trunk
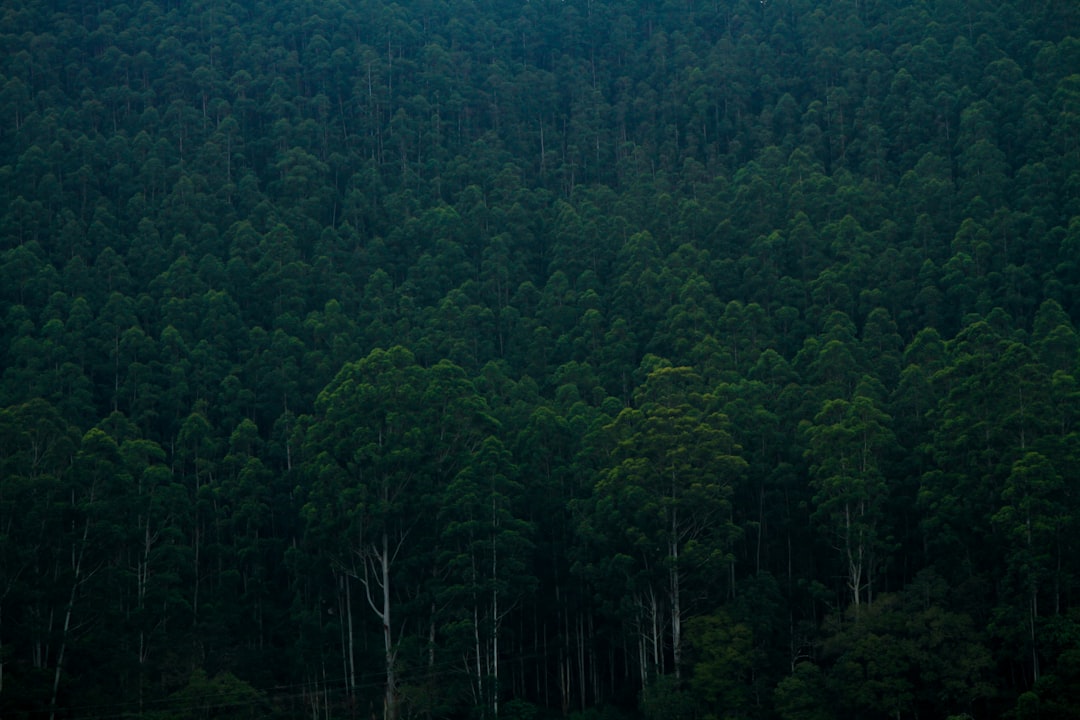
column 390, row 704
column 75, row 582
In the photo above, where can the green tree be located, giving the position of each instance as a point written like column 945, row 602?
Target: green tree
column 722, row 650
column 388, row 435
column 204, row 698
column 848, row 445
column 1034, row 519
column 802, row 695
column 487, row 547
column 665, row 499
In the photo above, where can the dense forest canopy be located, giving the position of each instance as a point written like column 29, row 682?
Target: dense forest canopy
column 672, row 360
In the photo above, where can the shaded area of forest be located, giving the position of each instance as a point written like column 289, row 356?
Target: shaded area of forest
column 662, row 360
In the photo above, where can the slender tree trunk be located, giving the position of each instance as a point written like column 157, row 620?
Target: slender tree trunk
column 194, row 594
column 479, row 696
column 143, row 579
column 75, row 582
column 494, row 626
column 854, row 559
column 377, row 561
column 352, row 637
column 431, row 640
column 342, row 630
column 594, row 673
column 1034, row 618
column 676, row 606
column 760, row 529
column 657, row 632
column 390, row 704
column 581, row 661
column 676, row 621
column 643, row 661
column 564, row 665
column 547, row 672
column 564, row 680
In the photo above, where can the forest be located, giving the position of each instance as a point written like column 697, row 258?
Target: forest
column 535, row 359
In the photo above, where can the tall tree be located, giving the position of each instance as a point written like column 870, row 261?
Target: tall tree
column 847, row 446
column 388, row 435
column 665, row 499
column 487, row 546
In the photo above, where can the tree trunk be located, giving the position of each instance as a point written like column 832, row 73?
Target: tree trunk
column 676, row 606
column 676, row 621
column 494, row 627
column 351, row 642
column 75, row 582
column 581, row 661
column 390, row 703
column 1034, row 618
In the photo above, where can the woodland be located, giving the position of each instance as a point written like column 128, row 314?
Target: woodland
column 530, row 359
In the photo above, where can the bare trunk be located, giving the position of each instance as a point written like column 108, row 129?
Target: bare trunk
column 194, row 594
column 376, row 564
column 494, row 627
column 581, row 662
column 676, row 616
column 352, row 647
column 431, row 640
column 854, row 559
column 676, row 607
column 1034, row 646
column 643, row 661
column 594, row 673
column 479, row 653
column 760, row 529
column 75, row 582
column 547, row 674
column 564, row 663
column 390, row 704
column 657, row 644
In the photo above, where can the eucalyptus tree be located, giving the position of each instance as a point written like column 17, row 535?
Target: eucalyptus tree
column 665, row 503
column 387, row 437
column 848, row 447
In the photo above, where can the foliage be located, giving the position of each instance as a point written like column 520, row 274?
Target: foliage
column 540, row 358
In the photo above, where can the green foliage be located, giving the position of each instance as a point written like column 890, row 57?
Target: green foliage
column 204, row 697
column 488, row 349
column 803, row 694
column 722, row 664
column 665, row 699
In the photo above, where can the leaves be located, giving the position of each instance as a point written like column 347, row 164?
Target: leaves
column 654, row 266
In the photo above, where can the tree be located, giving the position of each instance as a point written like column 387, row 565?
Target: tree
column 722, row 665
column 205, row 698
column 1033, row 518
column 40, row 581
column 665, row 500
column 161, row 511
column 802, row 695
column 95, row 488
column 388, row 435
column 486, row 546
column 847, row 446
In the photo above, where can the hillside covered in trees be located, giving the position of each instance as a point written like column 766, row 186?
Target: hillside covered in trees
column 521, row 359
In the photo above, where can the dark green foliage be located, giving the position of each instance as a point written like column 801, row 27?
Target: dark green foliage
column 522, row 359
